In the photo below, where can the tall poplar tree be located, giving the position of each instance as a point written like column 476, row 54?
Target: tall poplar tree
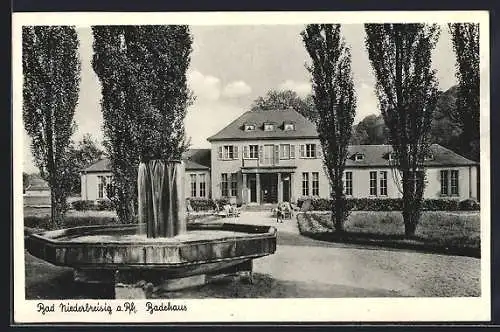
column 465, row 38
column 335, row 101
column 142, row 70
column 51, row 72
column 406, row 87
column 115, row 72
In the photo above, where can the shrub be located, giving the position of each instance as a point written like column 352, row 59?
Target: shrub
column 43, row 222
column 82, row 205
column 391, row 204
column 469, row 205
column 440, row 205
column 222, row 201
column 201, row 204
column 99, row 205
column 105, row 205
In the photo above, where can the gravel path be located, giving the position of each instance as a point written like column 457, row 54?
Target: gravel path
column 303, row 267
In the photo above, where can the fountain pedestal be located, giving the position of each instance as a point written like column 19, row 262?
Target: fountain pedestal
column 170, row 255
column 136, row 264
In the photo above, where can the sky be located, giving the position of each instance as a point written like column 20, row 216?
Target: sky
column 233, row 65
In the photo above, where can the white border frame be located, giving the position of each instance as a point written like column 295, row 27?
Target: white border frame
column 261, row 310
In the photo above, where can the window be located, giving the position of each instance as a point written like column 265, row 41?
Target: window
column 268, row 155
column 268, row 127
column 234, row 184
column 100, row 186
column 108, row 187
column 308, row 151
column 454, row 182
column 348, row 183
column 359, row 156
column 249, row 127
column 193, row 185
column 315, row 184
column 224, row 185
column 288, row 126
column 104, row 187
column 228, row 152
column 444, row 182
column 449, row 183
column 203, row 185
column 305, row 184
column 254, row 152
column 383, row 183
column 285, row 151
column 373, row 183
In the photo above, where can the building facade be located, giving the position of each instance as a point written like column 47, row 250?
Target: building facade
column 274, row 156
column 97, row 179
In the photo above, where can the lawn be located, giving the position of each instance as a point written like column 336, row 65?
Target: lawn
column 454, row 232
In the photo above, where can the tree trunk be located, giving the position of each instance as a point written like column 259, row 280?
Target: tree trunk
column 339, row 207
column 161, row 198
column 411, row 204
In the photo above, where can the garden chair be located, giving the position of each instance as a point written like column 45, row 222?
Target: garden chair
column 189, row 208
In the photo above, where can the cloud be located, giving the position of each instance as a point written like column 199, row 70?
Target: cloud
column 236, row 89
column 204, row 87
column 206, row 119
column 301, row 88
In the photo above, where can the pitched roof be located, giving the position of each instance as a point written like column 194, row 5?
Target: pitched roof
column 201, row 157
column 304, row 128
column 191, row 165
column 195, row 159
column 103, row 165
column 378, row 156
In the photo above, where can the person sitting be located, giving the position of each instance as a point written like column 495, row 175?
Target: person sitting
column 279, row 213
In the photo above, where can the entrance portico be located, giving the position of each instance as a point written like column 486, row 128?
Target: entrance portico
column 267, row 185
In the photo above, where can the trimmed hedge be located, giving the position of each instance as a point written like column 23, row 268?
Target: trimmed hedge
column 201, row 204
column 391, row 204
column 99, row 205
column 43, row 222
column 206, row 204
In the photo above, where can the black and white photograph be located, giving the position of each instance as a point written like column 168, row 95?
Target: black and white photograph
column 251, row 167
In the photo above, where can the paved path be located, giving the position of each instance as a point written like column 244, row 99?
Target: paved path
column 323, row 268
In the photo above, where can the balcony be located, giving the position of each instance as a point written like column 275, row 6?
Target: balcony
column 255, row 163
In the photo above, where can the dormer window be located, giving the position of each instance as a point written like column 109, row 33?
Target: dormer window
column 428, row 157
column 268, row 127
column 249, row 127
column 359, row 157
column 288, row 126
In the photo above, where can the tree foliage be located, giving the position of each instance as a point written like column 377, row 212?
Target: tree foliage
column 285, row 99
column 335, row 101
column 142, row 70
column 370, row 130
column 445, row 128
column 51, row 71
column 406, row 87
column 465, row 38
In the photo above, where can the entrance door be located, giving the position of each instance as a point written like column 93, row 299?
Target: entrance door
column 252, row 184
column 269, row 187
column 286, row 188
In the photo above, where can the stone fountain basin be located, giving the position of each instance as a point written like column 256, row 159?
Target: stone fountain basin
column 205, row 248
